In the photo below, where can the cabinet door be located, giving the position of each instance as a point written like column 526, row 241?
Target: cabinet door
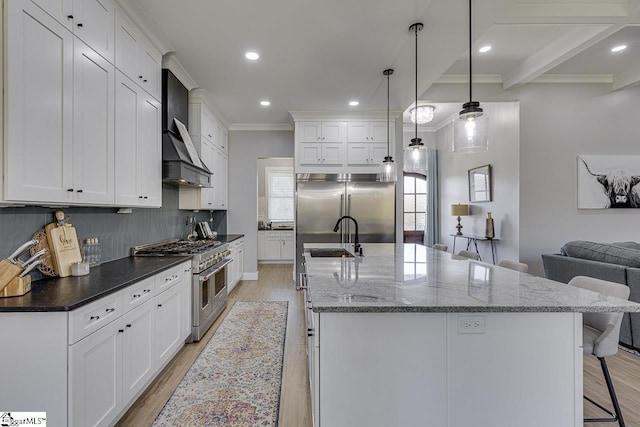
column 127, row 39
column 151, row 69
column 94, row 24
column 137, row 350
column 309, row 131
column 39, row 106
column 334, row 131
column 288, row 247
column 186, row 300
column 168, row 315
column 60, row 10
column 378, row 131
column 93, row 127
column 240, row 259
column 358, row 132
column 358, row 153
column 223, row 190
column 333, row 154
column 126, row 141
column 272, row 247
column 150, row 151
column 95, row 377
column 378, row 153
column 209, row 157
column 309, row 153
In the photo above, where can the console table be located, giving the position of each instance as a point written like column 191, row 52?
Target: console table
column 474, row 240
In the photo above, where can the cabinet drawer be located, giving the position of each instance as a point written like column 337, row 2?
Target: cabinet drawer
column 272, row 234
column 138, row 294
column 168, row 278
column 91, row 317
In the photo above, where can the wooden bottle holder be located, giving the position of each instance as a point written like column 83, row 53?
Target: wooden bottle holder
column 17, row 287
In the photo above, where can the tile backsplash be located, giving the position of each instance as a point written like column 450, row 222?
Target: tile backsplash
column 117, row 232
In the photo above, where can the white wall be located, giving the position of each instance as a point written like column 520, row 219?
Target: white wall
column 558, row 122
column 453, row 185
column 245, row 147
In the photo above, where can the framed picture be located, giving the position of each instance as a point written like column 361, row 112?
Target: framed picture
column 480, row 184
column 608, row 182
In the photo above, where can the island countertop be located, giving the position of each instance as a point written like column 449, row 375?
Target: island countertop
column 415, row 278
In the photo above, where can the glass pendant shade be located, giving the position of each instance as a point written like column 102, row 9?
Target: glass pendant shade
column 388, row 170
column 471, row 130
column 422, row 114
column 415, row 158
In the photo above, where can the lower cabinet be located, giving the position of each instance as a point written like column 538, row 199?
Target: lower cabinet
column 236, row 268
column 276, row 245
column 111, row 366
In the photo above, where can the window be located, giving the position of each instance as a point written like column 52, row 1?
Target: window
column 280, row 190
column 415, row 207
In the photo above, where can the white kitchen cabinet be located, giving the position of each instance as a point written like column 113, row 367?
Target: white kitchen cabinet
column 168, row 313
column 320, row 143
column 314, row 154
column 367, row 131
column 276, row 245
column 138, row 149
column 220, row 179
column 186, row 301
column 235, row 270
column 60, row 120
column 92, row 21
column 366, row 154
column 136, row 57
column 95, row 377
column 138, row 364
column 93, row 127
column 322, row 131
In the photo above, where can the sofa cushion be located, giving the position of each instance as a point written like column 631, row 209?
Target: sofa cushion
column 603, row 252
column 629, row 245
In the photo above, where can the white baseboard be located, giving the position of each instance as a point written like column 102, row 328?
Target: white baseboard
column 250, row 276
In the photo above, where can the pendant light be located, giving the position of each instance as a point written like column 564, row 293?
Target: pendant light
column 470, row 128
column 415, row 155
column 388, row 167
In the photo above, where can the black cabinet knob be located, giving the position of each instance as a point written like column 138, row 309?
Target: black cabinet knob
column 159, row 305
column 69, row 16
column 79, row 25
column 129, row 325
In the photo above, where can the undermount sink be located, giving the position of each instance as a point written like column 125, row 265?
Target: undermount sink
column 330, row 253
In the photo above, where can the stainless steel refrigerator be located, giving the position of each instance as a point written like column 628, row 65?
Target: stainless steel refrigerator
column 321, row 199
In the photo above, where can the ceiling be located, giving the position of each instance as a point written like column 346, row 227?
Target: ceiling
column 319, row 55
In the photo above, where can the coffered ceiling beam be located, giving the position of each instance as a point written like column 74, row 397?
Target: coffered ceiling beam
column 563, row 48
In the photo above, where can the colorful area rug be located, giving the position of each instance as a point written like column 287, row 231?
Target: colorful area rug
column 236, row 380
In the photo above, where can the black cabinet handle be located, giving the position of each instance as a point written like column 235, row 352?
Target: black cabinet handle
column 145, row 197
column 79, row 25
column 79, row 191
column 69, row 189
column 120, row 330
column 110, row 310
column 94, row 317
column 136, row 295
column 145, row 80
column 69, row 16
column 139, row 197
column 139, row 77
column 129, row 325
column 159, row 305
column 146, row 291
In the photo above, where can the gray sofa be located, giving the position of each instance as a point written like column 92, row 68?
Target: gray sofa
column 616, row 262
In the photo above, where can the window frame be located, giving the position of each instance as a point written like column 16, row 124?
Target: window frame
column 279, row 170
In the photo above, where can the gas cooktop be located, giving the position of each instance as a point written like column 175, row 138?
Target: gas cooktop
column 175, row 247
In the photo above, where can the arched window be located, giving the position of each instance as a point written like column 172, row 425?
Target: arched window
column 415, row 207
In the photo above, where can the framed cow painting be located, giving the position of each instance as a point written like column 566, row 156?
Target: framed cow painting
column 608, row 182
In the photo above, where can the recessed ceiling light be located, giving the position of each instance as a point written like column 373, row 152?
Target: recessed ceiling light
column 265, row 103
column 484, row 49
column 252, row 56
column 354, row 103
column 619, row 48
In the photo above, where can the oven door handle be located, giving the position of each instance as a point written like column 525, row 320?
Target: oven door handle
column 204, row 276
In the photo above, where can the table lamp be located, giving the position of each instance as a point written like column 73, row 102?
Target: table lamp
column 459, row 210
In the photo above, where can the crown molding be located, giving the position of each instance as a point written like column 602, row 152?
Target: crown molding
column 343, row 115
column 260, row 127
column 171, row 62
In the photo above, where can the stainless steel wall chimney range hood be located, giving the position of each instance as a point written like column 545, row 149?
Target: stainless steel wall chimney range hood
column 177, row 166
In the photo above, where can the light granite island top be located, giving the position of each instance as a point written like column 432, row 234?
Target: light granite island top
column 415, row 278
column 410, row 336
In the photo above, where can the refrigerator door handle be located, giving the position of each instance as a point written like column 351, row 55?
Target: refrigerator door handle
column 341, row 215
column 348, row 228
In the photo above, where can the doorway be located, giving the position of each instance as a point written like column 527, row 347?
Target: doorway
column 414, row 207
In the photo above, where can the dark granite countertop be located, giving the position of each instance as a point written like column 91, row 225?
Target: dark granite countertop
column 68, row 293
column 228, row 238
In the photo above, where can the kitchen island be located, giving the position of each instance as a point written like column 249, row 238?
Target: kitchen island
column 411, row 336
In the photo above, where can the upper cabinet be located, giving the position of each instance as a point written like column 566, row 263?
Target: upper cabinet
column 339, row 145
column 92, row 21
column 61, row 108
column 136, row 57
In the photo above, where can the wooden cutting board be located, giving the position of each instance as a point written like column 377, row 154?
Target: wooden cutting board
column 64, row 247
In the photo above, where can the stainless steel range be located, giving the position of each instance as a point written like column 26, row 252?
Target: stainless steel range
column 209, row 259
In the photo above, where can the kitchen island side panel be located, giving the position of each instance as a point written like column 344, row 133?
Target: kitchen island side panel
column 34, row 357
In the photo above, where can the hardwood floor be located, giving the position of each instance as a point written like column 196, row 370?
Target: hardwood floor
column 276, row 284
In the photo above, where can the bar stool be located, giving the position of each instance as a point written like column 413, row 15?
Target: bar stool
column 440, row 247
column 600, row 336
column 514, row 265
